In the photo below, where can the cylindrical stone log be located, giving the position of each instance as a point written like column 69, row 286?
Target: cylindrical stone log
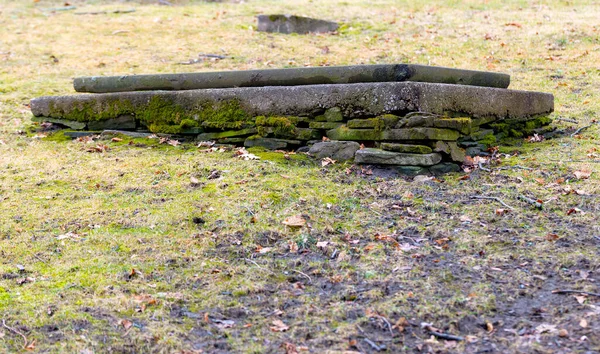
column 292, row 77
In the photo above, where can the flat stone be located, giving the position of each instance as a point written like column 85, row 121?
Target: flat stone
column 463, row 125
column 477, row 121
column 363, row 123
column 124, row 122
column 291, row 77
column 337, row 150
column 343, row 133
column 67, row 123
column 324, row 125
column 126, row 133
column 380, row 157
column 420, row 134
column 354, row 100
column 443, row 168
column 411, row 171
column 406, row 148
column 478, row 135
column 450, row 148
column 333, row 115
column 79, row 134
column 226, row 134
column 270, row 143
column 294, row 24
column 231, row 140
column 307, row 134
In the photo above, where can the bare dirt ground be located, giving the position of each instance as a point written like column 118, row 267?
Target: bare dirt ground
column 135, row 246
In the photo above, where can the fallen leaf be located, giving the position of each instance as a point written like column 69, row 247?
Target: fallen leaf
column 279, row 326
column 327, row 161
column 322, row 244
column 263, row 250
column 563, row 333
column 580, row 298
column 583, row 323
column 127, row 324
column 464, row 218
column 30, row 346
column 116, row 140
column 544, row 327
column 551, row 237
column 294, row 221
column 583, row 173
column 489, row 326
column 502, row 211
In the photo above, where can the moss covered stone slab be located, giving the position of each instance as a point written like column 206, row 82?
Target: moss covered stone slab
column 452, row 149
column 331, row 115
column 373, row 123
column 420, row 134
column 324, row 125
column 226, row 134
column 406, row 148
column 270, row 143
column 463, row 125
column 372, row 156
column 291, row 77
column 183, row 109
column 344, row 133
column 337, row 150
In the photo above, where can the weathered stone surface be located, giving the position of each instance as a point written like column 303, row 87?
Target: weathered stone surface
column 324, row 125
column 337, row 150
column 126, row 133
column 271, row 143
column 478, row 135
column 450, row 148
column 291, row 77
column 333, row 115
column 226, row 134
column 79, row 134
column 354, row 100
column 411, row 171
column 381, row 157
column 124, row 122
column 307, row 134
column 420, row 134
column 406, row 148
column 369, row 123
column 443, row 168
column 343, row 133
column 67, row 123
column 294, row 24
column 463, row 125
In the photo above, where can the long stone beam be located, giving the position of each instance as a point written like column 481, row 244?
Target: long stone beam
column 291, row 77
column 354, row 100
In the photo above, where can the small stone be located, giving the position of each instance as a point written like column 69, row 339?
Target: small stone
column 226, row 134
column 324, row 125
column 406, row 148
column 474, row 151
column 451, row 148
column 420, row 134
column 270, row 143
column 303, row 149
column 294, row 24
column 381, row 157
column 123, row 122
column 337, row 150
column 443, row 168
column 67, row 123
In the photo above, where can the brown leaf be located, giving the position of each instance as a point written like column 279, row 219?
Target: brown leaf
column 116, row 140
column 294, row 221
column 279, row 326
column 584, row 173
column 327, row 161
column 583, row 323
column 551, row 237
column 127, row 324
column 30, row 346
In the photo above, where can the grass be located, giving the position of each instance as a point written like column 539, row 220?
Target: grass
column 121, row 252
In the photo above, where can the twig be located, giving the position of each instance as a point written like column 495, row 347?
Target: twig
column 164, row 2
column 105, row 12
column 567, row 120
column 215, row 56
column 581, row 129
column 256, row 264
column 372, row 344
column 306, row 275
column 515, row 166
column 533, row 202
column 388, row 324
column 17, row 332
column 492, row 198
column 575, row 292
column 446, row 336
column 483, row 168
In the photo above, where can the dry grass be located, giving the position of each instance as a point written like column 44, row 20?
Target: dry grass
column 133, row 207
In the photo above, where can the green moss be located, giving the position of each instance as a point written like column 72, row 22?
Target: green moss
column 58, row 136
column 488, row 140
column 282, row 126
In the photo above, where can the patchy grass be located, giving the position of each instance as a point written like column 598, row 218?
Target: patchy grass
column 123, row 251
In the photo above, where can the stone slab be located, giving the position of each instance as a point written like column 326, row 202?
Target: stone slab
column 354, row 101
column 380, row 157
column 294, row 24
column 67, row 123
column 337, row 150
column 124, row 122
column 271, row 143
column 226, row 134
column 406, row 148
column 291, row 77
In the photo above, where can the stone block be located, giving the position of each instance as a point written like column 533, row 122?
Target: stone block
column 226, row 134
column 406, row 148
column 271, row 143
column 123, row 122
column 420, row 134
column 380, row 157
column 337, row 150
column 324, row 125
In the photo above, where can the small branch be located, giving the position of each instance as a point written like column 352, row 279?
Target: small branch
column 256, row 264
column 306, row 275
column 373, row 345
column 105, row 12
column 575, row 292
column 446, row 336
column 492, row 198
column 483, row 168
column 515, row 167
column 387, row 323
column 566, row 120
column 581, row 129
column 533, row 202
column 17, row 332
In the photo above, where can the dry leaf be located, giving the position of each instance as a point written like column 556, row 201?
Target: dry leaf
column 127, row 324
column 294, row 221
column 116, row 140
column 583, row 173
column 544, row 327
column 464, row 218
column 583, row 323
column 322, row 244
column 580, row 298
column 279, row 326
column 327, row 161
column 551, row 237
column 173, row 142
